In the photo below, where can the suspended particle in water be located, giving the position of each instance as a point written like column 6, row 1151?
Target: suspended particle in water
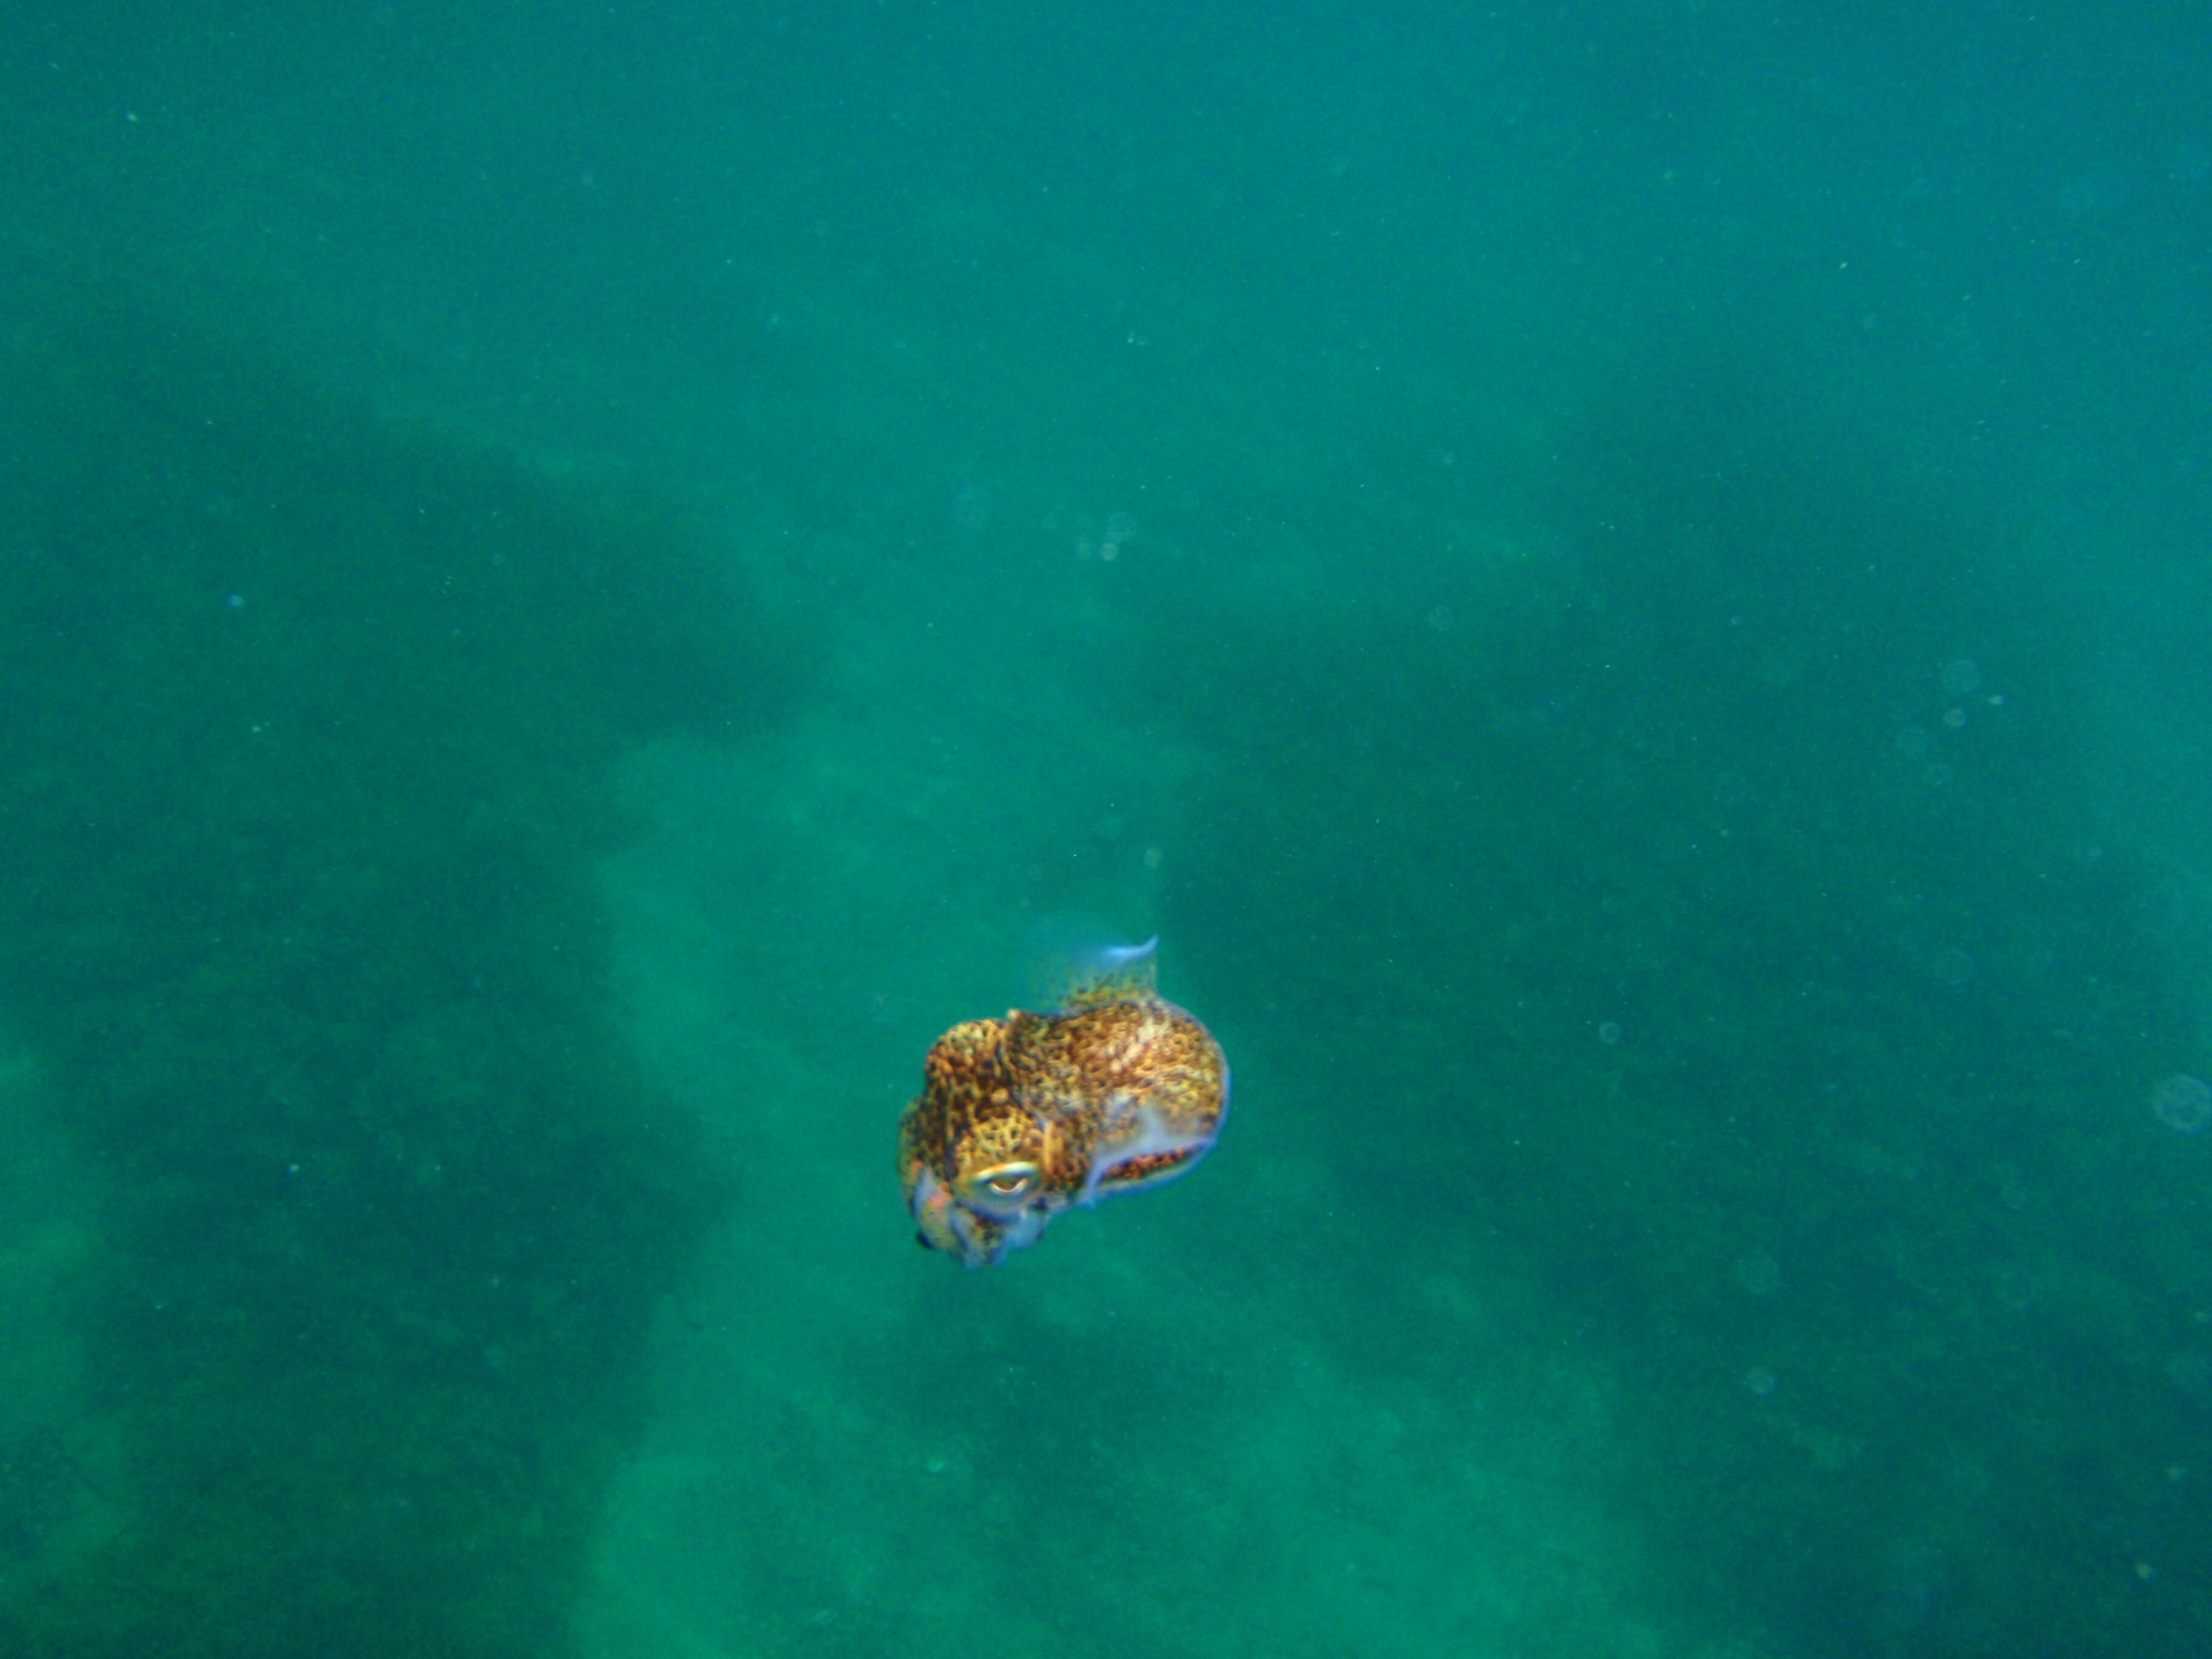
column 2183, row 1103
column 1121, row 530
column 1758, row 1273
column 2191, row 1371
column 1962, row 677
column 971, row 508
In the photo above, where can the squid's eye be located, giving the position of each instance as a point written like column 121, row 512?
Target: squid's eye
column 1008, row 1182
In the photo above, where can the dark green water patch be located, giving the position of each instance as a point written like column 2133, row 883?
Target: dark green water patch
column 1710, row 934
column 303, row 783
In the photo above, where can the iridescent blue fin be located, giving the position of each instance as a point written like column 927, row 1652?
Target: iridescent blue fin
column 1113, row 973
column 1072, row 966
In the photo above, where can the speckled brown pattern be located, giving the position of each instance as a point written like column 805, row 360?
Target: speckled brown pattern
column 1020, row 1118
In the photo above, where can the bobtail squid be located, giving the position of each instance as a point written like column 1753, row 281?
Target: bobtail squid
column 1114, row 1089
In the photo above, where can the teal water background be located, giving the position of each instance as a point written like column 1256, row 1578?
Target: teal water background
column 1624, row 584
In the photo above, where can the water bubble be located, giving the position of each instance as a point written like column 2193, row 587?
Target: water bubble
column 1441, row 618
column 1608, row 1033
column 1955, row 969
column 1761, row 1381
column 2183, row 1103
column 1962, row 676
column 1121, row 528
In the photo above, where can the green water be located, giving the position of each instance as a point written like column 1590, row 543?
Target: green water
column 574, row 589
